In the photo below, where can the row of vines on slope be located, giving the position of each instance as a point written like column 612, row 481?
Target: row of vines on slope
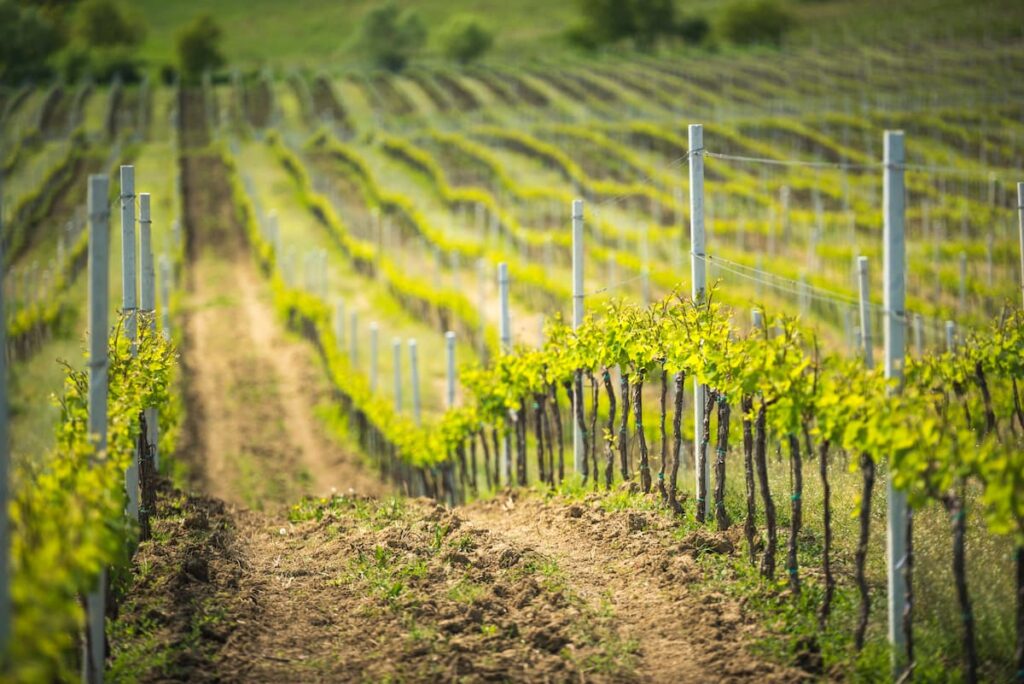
column 955, row 424
column 67, row 514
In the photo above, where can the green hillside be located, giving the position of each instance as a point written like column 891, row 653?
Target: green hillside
column 322, row 32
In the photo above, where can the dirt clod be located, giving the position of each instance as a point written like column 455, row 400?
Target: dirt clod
column 549, row 638
column 636, row 522
column 196, row 520
column 196, row 567
column 508, row 558
column 701, row 541
column 629, row 487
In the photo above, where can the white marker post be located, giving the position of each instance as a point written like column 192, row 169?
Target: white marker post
column 396, row 348
column 99, row 292
column 894, row 255
column 506, row 347
column 577, row 321
column 951, row 337
column 353, row 339
column 804, row 296
column 414, row 376
column 339, row 323
column 1020, row 231
column 963, row 283
column 374, row 334
column 449, row 343
column 481, row 277
column 865, row 312
column 273, row 235
column 5, row 460
column 147, row 293
column 165, row 296
column 756, row 319
column 919, row 335
column 699, row 277
column 129, row 306
column 645, row 268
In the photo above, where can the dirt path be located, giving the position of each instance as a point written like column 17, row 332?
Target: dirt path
column 629, row 563
column 356, row 589
column 252, row 392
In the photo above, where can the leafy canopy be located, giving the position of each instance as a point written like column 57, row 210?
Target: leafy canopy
column 392, row 36
column 465, row 38
column 199, row 47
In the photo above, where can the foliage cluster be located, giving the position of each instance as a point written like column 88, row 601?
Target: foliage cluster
column 103, row 42
column 604, row 22
column 199, row 47
column 465, row 38
column 391, row 36
column 29, row 36
column 647, row 23
column 761, row 22
column 67, row 514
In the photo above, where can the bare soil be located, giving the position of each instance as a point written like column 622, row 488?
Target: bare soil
column 357, row 589
column 630, row 562
column 252, row 436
